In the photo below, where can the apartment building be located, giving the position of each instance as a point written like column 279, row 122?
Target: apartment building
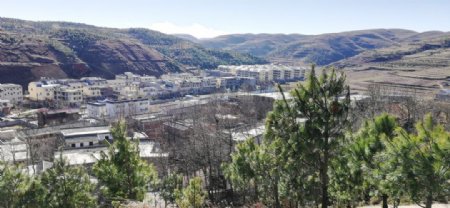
column 42, row 90
column 68, row 96
column 266, row 73
column 110, row 109
column 11, row 92
column 232, row 83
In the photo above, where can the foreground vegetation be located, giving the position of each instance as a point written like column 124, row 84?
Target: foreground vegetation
column 319, row 161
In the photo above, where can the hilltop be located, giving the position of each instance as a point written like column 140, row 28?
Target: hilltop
column 321, row 49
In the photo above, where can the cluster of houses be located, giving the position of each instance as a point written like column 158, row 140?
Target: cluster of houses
column 131, row 94
column 129, row 86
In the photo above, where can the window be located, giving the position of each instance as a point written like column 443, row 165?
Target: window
column 73, row 145
column 91, row 143
column 81, row 144
column 107, row 137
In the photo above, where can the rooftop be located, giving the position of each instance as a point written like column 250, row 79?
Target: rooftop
column 92, row 155
column 85, row 131
column 244, row 135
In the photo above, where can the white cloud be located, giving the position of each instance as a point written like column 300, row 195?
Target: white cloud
column 197, row 30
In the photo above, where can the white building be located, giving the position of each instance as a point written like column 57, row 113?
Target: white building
column 117, row 109
column 267, row 73
column 86, row 137
column 89, row 156
column 11, row 92
column 95, row 81
column 117, row 84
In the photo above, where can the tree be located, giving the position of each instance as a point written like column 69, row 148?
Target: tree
column 193, row 195
column 309, row 128
column 421, row 161
column 254, row 165
column 241, row 170
column 169, row 187
column 34, row 196
column 13, row 184
column 60, row 186
column 358, row 169
column 302, row 135
column 347, row 180
column 121, row 172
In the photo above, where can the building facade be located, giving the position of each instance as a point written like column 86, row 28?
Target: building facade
column 117, row 109
column 11, row 92
column 42, row 90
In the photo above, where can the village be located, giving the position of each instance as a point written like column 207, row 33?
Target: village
column 71, row 118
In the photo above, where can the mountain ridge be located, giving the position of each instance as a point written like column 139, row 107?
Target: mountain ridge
column 322, row 49
column 30, row 49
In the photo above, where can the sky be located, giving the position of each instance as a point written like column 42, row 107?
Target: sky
column 210, row 18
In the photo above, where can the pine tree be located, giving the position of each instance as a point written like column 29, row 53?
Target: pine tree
column 60, row 186
column 254, row 167
column 419, row 162
column 34, row 196
column 193, row 196
column 121, row 172
column 169, row 186
column 241, row 170
column 306, row 148
column 13, row 184
column 358, row 169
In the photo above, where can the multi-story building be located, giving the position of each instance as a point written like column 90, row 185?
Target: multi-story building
column 74, row 84
column 117, row 84
column 266, row 73
column 68, row 96
column 232, row 83
column 128, row 77
column 11, row 92
column 91, row 91
column 94, row 81
column 117, row 109
column 42, row 90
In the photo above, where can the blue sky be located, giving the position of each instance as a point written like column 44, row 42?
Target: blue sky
column 207, row 18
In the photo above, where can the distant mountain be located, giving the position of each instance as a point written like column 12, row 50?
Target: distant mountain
column 433, row 53
column 320, row 49
column 187, row 37
column 29, row 50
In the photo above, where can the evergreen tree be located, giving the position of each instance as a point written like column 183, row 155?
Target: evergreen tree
column 60, row 186
column 358, row 170
column 254, row 167
column 169, row 187
column 419, row 162
column 308, row 129
column 193, row 196
column 13, row 184
column 302, row 135
column 34, row 196
column 121, row 172
column 241, row 171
